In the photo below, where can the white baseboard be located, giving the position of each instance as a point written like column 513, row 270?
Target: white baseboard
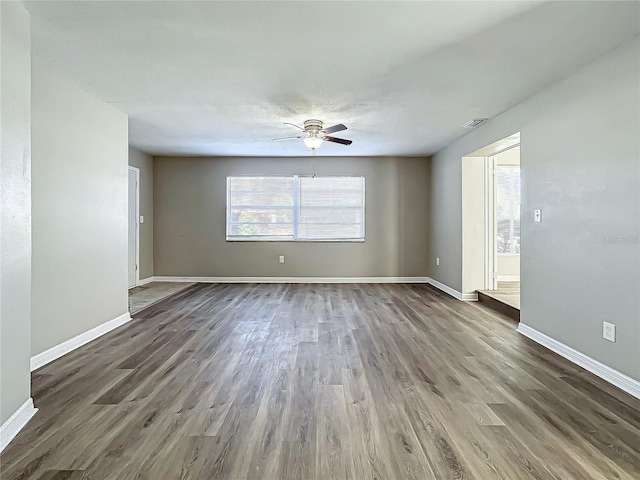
column 467, row 297
column 16, row 422
column 292, row 279
column 144, row 281
column 508, row 278
column 454, row 293
column 620, row 380
column 53, row 353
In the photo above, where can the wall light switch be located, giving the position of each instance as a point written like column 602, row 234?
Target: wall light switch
column 141, row 219
column 537, row 215
column 437, row 260
column 281, row 259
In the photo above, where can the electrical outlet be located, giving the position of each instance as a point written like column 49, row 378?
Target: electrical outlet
column 438, row 261
column 281, row 259
column 609, row 331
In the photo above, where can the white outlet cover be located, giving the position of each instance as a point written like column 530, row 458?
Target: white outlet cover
column 609, row 331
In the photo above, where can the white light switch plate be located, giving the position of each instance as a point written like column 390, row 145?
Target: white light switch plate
column 537, row 215
column 141, row 219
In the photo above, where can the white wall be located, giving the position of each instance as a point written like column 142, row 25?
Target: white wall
column 509, row 268
column 579, row 162
column 15, row 206
column 80, row 152
column 473, row 223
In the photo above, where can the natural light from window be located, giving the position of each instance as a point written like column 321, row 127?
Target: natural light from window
column 508, row 203
column 295, row 208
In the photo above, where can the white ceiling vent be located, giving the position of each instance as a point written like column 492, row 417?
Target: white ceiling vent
column 476, row 122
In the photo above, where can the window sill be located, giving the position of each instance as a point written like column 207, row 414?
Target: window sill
column 291, row 240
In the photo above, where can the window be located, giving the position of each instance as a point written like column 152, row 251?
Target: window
column 508, row 203
column 295, row 208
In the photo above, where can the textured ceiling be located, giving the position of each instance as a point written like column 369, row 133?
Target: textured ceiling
column 219, row 78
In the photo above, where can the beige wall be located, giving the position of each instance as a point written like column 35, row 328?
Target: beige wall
column 144, row 162
column 579, row 164
column 79, row 211
column 473, row 224
column 190, row 209
column 15, row 207
column 509, row 268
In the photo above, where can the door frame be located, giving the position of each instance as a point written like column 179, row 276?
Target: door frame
column 136, row 171
column 490, row 224
column 491, row 220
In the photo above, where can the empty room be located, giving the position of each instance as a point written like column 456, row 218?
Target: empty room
column 309, row 240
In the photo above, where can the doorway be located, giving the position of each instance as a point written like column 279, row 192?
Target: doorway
column 134, row 226
column 503, row 217
column 491, row 220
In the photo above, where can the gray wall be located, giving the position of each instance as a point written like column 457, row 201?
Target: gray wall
column 79, row 211
column 144, row 162
column 190, row 209
column 580, row 163
column 15, row 207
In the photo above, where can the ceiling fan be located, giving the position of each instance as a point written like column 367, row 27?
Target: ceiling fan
column 313, row 134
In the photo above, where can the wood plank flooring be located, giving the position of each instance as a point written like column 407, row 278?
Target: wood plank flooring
column 314, row 382
column 146, row 295
column 507, row 292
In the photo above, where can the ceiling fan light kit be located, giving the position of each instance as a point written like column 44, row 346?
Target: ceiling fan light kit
column 314, row 134
column 312, row 142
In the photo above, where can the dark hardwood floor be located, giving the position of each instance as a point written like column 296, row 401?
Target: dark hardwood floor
column 322, row 382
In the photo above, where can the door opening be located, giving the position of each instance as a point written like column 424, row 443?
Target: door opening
column 484, row 217
column 134, row 226
column 503, row 217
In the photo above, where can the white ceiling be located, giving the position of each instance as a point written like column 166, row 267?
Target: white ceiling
column 219, row 78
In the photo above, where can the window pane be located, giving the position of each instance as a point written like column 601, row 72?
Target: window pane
column 260, row 206
column 508, row 209
column 331, row 207
column 328, row 231
column 255, row 184
column 323, row 215
column 260, row 229
column 265, row 215
column 262, row 198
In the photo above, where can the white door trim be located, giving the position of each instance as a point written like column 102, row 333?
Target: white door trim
column 490, row 225
column 136, row 170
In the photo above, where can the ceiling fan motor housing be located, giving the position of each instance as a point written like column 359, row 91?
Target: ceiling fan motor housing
column 313, row 126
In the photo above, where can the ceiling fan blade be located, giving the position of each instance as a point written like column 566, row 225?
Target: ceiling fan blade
column 294, row 125
column 335, row 128
column 337, row 140
column 286, row 138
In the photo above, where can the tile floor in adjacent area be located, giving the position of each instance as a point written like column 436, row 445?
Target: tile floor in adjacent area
column 146, row 295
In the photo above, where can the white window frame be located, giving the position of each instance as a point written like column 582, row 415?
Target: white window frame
column 296, row 213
